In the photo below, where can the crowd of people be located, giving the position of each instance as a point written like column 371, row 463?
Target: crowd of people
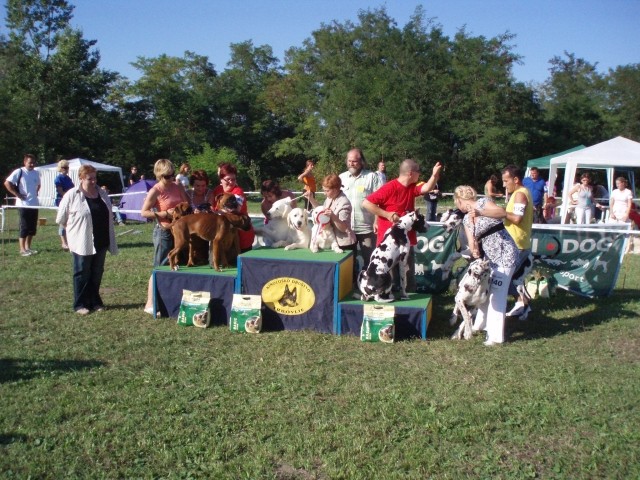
column 360, row 203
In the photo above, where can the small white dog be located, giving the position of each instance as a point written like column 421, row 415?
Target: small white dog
column 322, row 235
column 276, row 232
column 299, row 230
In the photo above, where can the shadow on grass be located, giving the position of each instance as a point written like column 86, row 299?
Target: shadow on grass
column 13, row 369
column 124, row 245
column 542, row 325
column 8, row 438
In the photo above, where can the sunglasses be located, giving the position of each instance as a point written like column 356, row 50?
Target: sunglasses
column 167, row 177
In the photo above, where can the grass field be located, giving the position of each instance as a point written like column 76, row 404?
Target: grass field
column 117, row 394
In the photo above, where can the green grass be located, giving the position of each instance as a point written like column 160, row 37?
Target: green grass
column 119, row 395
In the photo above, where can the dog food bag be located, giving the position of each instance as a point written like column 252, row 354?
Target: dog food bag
column 377, row 323
column 246, row 314
column 194, row 309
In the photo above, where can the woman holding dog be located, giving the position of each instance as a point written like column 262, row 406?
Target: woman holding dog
column 85, row 213
column 159, row 205
column 488, row 238
column 229, row 184
column 338, row 209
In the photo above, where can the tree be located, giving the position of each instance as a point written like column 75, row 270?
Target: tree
column 250, row 127
column 56, row 86
column 573, row 101
column 623, row 100
column 182, row 103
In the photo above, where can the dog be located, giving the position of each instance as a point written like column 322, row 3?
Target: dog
column 218, row 228
column 322, row 235
column 276, row 232
column 452, row 219
column 375, row 281
column 299, row 230
column 387, row 334
column 473, row 291
column 180, row 210
column 289, row 297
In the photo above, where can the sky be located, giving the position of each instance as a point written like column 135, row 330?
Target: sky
column 602, row 32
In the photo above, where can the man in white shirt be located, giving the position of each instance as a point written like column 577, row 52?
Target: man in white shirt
column 382, row 169
column 24, row 184
column 357, row 184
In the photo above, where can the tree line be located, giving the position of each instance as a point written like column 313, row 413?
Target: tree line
column 396, row 92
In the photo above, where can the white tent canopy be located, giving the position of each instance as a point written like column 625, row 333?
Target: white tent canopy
column 49, row 172
column 618, row 153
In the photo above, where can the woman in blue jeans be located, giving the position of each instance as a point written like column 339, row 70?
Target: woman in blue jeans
column 85, row 212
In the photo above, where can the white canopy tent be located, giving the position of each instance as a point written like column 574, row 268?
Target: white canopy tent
column 616, row 154
column 49, row 172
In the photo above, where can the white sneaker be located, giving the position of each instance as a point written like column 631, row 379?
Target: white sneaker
column 32, row 252
column 517, row 310
column 26, row 253
column 490, row 343
column 82, row 311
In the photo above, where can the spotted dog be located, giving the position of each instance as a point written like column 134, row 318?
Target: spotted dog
column 452, row 222
column 473, row 291
column 375, row 282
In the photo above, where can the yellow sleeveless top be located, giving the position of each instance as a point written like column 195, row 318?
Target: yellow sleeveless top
column 521, row 233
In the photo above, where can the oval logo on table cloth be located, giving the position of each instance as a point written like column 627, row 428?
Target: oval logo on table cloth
column 289, row 296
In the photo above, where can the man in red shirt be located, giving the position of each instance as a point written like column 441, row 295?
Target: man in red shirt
column 396, row 197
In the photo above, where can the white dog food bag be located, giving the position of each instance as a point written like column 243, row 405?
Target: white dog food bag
column 378, row 323
column 246, row 313
column 194, row 309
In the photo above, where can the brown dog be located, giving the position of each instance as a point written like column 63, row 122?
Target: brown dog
column 219, row 228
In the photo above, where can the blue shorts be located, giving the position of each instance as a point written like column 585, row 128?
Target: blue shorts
column 162, row 245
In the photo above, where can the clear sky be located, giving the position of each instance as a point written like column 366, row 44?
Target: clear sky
column 605, row 32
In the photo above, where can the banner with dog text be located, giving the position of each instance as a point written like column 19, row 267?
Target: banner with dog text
column 433, row 254
column 583, row 260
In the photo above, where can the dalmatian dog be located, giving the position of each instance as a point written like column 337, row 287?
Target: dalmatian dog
column 473, row 291
column 322, row 235
column 276, row 232
column 375, row 281
column 299, row 230
column 452, row 221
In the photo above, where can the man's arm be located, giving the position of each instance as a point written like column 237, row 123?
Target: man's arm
column 12, row 189
column 435, row 176
column 376, row 210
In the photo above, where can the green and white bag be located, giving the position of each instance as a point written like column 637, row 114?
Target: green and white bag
column 378, row 323
column 246, row 314
column 194, row 309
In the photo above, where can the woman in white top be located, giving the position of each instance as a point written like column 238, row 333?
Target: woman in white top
column 620, row 202
column 584, row 201
column 183, row 175
column 85, row 212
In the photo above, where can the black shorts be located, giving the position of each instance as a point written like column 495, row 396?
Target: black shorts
column 28, row 221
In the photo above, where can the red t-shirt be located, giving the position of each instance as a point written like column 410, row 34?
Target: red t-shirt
column 395, row 197
column 245, row 237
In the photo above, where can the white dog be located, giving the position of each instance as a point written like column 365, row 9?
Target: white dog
column 299, row 230
column 322, row 235
column 276, row 232
column 473, row 291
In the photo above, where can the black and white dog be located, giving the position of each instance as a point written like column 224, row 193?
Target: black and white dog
column 473, row 291
column 375, row 282
column 452, row 219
